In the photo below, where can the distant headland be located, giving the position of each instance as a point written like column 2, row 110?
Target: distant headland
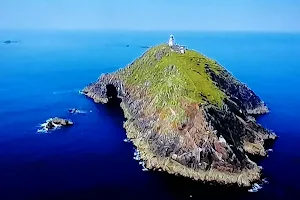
column 10, row 41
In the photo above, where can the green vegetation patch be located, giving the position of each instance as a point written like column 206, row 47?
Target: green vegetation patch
column 172, row 77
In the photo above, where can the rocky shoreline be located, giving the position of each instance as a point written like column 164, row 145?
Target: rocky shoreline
column 207, row 138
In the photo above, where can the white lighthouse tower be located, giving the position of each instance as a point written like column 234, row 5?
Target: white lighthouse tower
column 171, row 41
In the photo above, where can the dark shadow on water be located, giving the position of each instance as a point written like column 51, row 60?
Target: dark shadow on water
column 268, row 144
column 160, row 186
column 184, row 188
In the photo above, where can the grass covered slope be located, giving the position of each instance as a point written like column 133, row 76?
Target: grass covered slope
column 174, row 75
column 187, row 115
column 173, row 78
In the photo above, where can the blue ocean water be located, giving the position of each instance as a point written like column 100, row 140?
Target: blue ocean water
column 40, row 77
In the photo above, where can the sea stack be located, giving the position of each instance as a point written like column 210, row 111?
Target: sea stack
column 187, row 115
column 57, row 122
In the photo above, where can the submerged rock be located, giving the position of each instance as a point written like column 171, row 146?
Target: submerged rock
column 10, row 41
column 187, row 115
column 77, row 111
column 126, row 140
column 73, row 110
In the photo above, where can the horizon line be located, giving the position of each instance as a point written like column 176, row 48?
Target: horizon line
column 145, row 30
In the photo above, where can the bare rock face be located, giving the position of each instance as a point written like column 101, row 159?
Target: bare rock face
column 188, row 116
column 238, row 93
column 60, row 121
column 51, row 124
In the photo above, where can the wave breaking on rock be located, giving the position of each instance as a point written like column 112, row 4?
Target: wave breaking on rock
column 52, row 124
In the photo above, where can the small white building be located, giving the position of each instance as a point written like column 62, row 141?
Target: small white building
column 176, row 47
column 182, row 50
column 171, row 41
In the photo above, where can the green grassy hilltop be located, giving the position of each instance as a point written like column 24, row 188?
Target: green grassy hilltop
column 173, row 78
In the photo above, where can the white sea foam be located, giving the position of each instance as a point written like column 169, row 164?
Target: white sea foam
column 80, row 92
column 65, row 91
column 80, row 111
column 77, row 111
column 253, row 190
column 256, row 187
column 137, row 157
column 142, row 163
column 265, row 181
column 44, row 129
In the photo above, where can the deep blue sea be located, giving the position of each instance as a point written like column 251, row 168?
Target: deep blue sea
column 40, row 78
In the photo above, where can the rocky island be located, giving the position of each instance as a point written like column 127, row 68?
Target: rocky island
column 57, row 122
column 187, row 115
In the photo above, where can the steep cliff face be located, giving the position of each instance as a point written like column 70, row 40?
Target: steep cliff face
column 187, row 115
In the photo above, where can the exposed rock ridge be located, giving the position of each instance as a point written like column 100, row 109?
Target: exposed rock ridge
column 238, row 92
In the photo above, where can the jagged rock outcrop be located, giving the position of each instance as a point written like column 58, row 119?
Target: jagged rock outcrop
column 51, row 124
column 187, row 115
